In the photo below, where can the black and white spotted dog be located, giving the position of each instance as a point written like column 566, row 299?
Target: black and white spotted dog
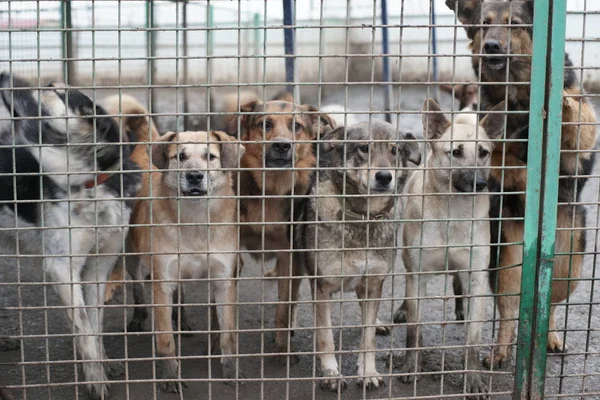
column 65, row 150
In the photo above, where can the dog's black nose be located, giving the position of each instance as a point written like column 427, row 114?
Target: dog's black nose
column 383, row 177
column 492, row 47
column 281, row 147
column 480, row 185
column 194, row 177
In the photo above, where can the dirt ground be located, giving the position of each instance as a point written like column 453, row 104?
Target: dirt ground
column 47, row 352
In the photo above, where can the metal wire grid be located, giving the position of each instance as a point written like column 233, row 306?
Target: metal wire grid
column 43, row 368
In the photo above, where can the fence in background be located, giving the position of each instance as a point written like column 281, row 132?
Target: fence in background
column 182, row 60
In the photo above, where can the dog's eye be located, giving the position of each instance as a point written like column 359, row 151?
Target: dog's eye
column 297, row 127
column 211, row 157
column 182, row 156
column 267, row 125
column 483, row 153
column 394, row 150
column 364, row 148
column 456, row 153
column 487, row 21
column 515, row 21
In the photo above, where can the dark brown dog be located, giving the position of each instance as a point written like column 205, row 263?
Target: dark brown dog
column 496, row 49
column 277, row 139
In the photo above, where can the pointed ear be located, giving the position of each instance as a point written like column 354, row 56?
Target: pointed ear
column 434, row 122
column 321, row 123
column 464, row 9
column 494, row 121
column 410, row 149
column 232, row 126
column 160, row 150
column 231, row 149
column 333, row 139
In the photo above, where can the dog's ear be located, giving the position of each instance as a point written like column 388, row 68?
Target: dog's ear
column 333, row 139
column 321, row 123
column 232, row 126
column 458, row 90
column 464, row 9
column 231, row 149
column 493, row 123
column 20, row 102
column 160, row 150
column 434, row 122
column 410, row 149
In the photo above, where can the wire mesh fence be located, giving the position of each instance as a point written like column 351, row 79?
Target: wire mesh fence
column 281, row 200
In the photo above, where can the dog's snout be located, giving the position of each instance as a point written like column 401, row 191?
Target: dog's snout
column 194, row 177
column 480, row 185
column 282, row 147
column 383, row 177
column 492, row 47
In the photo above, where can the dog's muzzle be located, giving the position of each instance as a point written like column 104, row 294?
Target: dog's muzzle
column 469, row 182
column 195, row 185
column 495, row 55
column 279, row 154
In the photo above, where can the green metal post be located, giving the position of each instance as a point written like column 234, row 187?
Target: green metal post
column 257, row 46
column 67, row 43
column 150, row 50
column 541, row 197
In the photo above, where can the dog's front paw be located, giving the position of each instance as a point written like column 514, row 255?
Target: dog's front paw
column 231, row 373
column 496, row 359
column 333, row 381
column 168, row 373
column 371, row 382
column 555, row 344
column 400, row 314
column 476, row 387
column 114, row 369
column 409, row 370
column 98, row 391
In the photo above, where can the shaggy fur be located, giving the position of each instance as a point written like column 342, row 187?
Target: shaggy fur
column 372, row 173
column 98, row 166
column 492, row 56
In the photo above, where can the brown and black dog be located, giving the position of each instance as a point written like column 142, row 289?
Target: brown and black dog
column 278, row 163
column 502, row 58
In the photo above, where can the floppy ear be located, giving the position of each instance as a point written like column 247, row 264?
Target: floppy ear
column 464, row 9
column 231, row 149
column 321, row 123
column 434, row 122
column 160, row 150
column 458, row 90
column 493, row 123
column 232, row 126
column 410, row 149
column 333, row 139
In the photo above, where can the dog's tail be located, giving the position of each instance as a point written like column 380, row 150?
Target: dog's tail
column 135, row 119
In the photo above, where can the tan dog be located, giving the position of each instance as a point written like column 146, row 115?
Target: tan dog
column 279, row 137
column 458, row 163
column 137, row 126
column 192, row 171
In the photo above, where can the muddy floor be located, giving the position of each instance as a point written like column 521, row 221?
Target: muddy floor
column 45, row 361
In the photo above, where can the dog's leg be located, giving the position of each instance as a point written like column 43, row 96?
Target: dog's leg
column 476, row 280
column 67, row 271
column 325, row 345
column 555, row 343
column 369, row 289
column 412, row 362
column 117, row 275
column 400, row 313
column 165, row 343
column 140, row 313
column 459, row 302
column 284, row 310
column 224, row 291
